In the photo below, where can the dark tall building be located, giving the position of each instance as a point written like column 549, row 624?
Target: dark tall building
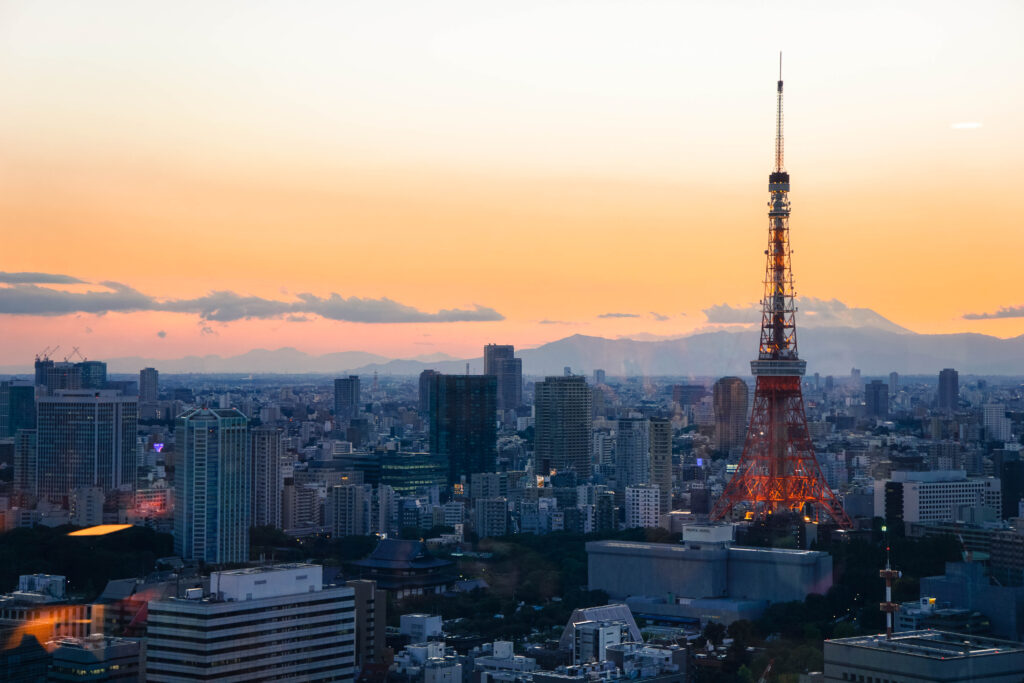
column 730, row 397
column 94, row 374
column 266, row 476
column 876, row 398
column 463, row 428
column 562, row 426
column 149, row 385
column 500, row 361
column 425, row 379
column 346, row 397
column 949, row 390
column 17, row 407
column 57, row 376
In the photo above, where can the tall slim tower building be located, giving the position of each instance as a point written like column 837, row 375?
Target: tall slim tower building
column 149, row 385
column 949, row 390
column 212, row 486
column 346, row 397
column 778, row 472
column 661, row 460
column 562, row 426
column 632, row 454
column 730, row 396
column 876, row 398
column 500, row 361
column 85, row 439
column 463, row 426
column 266, row 476
column 17, row 406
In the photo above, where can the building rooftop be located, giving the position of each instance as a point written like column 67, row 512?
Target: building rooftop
column 934, row 644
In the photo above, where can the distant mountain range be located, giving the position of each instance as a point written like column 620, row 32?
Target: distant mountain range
column 827, row 350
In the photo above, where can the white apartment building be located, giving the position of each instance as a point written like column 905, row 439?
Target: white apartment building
column 643, row 506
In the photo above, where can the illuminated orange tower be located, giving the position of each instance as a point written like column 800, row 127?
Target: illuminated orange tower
column 778, row 472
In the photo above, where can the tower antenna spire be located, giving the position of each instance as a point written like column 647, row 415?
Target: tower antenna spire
column 779, row 166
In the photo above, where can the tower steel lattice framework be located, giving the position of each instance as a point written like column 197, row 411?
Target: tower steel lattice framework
column 778, row 472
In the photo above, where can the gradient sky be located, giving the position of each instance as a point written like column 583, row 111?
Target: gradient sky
column 548, row 162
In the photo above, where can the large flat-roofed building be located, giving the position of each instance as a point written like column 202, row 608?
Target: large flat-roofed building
column 706, row 577
column 923, row 657
column 935, row 496
column 255, row 624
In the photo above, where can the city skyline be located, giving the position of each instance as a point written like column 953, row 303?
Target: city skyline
column 454, row 170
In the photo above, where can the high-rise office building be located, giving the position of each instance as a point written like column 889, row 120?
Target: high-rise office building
column 266, row 476
column 94, row 374
column 25, row 463
column 894, row 383
column 949, row 390
column 563, row 424
column 463, row 428
column 371, row 606
column 876, row 398
column 212, row 486
column 17, row 407
column 62, row 376
column 425, row 379
column 83, row 439
column 730, row 396
column 500, row 361
column 661, row 461
column 490, row 517
column 256, row 624
column 149, row 385
column 346, row 397
column 632, row 455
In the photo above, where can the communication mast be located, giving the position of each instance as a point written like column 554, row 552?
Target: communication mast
column 778, row 472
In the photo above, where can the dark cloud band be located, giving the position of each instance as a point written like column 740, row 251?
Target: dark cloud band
column 24, row 298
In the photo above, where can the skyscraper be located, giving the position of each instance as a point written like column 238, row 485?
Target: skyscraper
column 463, row 428
column 425, row 389
column 94, row 374
column 562, row 426
column 149, row 385
column 346, row 398
column 661, row 461
column 876, row 398
column 266, row 476
column 894, row 383
column 17, row 407
column 500, row 361
column 84, row 439
column 212, row 486
column 949, row 390
column 730, row 395
column 632, row 455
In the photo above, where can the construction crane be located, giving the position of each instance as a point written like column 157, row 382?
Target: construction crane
column 74, row 351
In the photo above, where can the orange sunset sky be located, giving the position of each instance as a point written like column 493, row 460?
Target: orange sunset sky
column 526, row 166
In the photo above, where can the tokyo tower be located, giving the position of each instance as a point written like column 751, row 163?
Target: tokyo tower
column 778, row 472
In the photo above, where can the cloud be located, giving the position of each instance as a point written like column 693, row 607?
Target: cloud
column 88, row 330
column 161, row 334
column 729, row 315
column 298, row 318
column 658, row 316
column 39, row 279
column 1004, row 312
column 966, row 125
column 206, row 329
column 619, row 315
column 811, row 312
column 226, row 306
column 553, row 322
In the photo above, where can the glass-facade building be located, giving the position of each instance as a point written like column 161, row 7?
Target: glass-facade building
column 212, row 486
column 85, row 439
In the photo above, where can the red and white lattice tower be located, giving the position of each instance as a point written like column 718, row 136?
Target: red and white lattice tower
column 778, row 472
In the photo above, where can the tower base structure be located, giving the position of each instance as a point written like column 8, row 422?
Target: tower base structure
column 778, row 471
